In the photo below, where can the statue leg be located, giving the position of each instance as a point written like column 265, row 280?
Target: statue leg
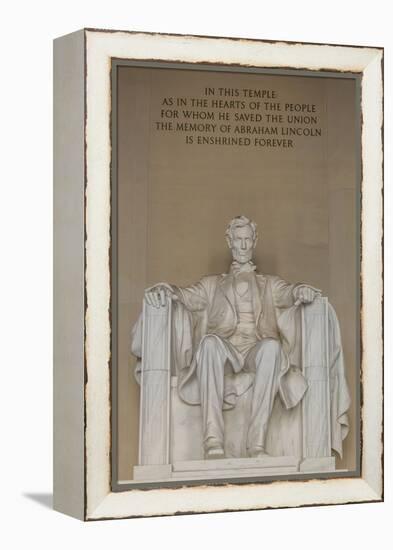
column 267, row 363
column 211, row 357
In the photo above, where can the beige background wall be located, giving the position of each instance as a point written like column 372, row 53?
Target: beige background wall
column 175, row 201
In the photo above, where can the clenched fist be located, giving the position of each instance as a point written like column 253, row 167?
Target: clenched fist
column 157, row 295
column 305, row 294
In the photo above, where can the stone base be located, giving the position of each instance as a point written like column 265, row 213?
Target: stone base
column 153, row 472
column 322, row 464
column 233, row 468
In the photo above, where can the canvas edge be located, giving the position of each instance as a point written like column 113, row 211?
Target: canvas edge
column 69, row 281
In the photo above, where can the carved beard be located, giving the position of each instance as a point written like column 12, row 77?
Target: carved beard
column 242, row 259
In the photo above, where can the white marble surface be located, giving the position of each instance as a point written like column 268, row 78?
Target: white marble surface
column 315, row 365
column 155, row 406
column 254, row 382
column 183, row 434
column 233, row 467
column 284, row 436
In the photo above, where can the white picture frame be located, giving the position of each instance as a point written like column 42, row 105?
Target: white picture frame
column 82, row 398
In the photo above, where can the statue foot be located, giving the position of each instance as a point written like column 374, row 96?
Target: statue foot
column 215, row 452
column 258, row 452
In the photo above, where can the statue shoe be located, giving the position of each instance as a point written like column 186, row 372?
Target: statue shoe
column 258, row 452
column 215, row 451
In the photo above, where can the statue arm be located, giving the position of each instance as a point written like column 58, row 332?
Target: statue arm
column 288, row 294
column 283, row 293
column 193, row 297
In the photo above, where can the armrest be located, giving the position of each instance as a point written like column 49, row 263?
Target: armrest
column 155, row 385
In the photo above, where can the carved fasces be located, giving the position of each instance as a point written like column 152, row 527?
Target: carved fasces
column 155, row 385
column 315, row 363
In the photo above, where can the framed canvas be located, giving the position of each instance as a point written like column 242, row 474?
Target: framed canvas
column 218, row 274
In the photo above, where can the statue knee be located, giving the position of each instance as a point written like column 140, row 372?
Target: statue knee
column 269, row 347
column 209, row 342
column 209, row 347
column 210, row 353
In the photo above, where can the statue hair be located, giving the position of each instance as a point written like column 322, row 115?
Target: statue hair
column 241, row 221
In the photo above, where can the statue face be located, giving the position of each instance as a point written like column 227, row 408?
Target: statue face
column 242, row 244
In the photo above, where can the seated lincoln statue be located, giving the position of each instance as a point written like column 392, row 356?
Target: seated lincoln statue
column 238, row 332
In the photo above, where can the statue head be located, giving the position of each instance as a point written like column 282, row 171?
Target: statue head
column 241, row 236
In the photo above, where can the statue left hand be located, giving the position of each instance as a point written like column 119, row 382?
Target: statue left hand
column 305, row 294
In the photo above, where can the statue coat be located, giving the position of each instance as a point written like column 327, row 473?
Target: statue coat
column 211, row 302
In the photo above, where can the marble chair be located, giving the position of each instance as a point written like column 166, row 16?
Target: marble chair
column 299, row 440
